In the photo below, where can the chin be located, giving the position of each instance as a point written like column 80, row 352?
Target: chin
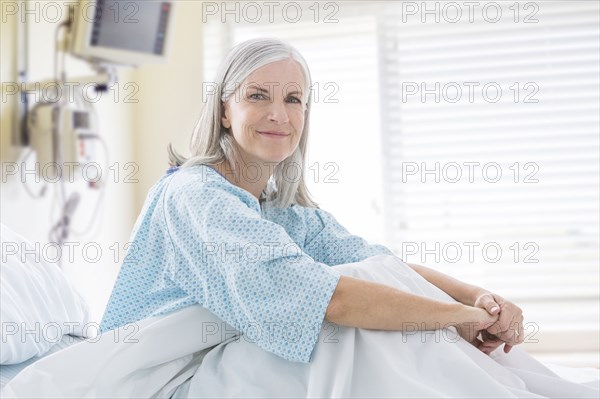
column 275, row 161
column 274, row 158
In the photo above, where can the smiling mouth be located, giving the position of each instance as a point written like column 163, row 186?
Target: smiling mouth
column 274, row 134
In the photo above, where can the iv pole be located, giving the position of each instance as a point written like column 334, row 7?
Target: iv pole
column 21, row 136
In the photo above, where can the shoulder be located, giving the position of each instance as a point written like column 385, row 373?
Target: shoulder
column 200, row 186
column 308, row 215
column 310, row 219
column 317, row 216
column 293, row 216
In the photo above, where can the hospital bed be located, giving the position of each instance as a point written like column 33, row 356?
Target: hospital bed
column 174, row 356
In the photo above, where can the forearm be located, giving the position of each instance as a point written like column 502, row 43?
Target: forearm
column 461, row 291
column 364, row 304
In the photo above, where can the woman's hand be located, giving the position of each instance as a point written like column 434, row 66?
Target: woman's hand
column 508, row 328
column 473, row 321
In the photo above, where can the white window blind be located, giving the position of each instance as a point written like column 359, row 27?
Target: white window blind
column 399, row 153
column 543, row 125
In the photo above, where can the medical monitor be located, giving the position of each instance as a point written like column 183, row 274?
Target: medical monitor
column 122, row 32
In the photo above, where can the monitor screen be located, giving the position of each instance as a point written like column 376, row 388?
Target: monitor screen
column 135, row 26
column 122, row 32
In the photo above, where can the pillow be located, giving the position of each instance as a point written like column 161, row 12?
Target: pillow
column 38, row 304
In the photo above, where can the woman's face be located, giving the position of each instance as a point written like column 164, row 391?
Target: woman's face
column 266, row 113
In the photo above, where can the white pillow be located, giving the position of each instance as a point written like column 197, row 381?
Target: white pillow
column 38, row 304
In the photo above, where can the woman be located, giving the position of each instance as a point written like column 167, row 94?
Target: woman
column 234, row 229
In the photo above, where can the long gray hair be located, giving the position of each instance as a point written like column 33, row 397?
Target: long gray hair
column 212, row 143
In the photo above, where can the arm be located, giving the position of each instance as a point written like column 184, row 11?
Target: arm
column 464, row 293
column 364, row 304
column 509, row 326
column 372, row 305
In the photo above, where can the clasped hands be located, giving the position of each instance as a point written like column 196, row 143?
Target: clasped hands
column 501, row 323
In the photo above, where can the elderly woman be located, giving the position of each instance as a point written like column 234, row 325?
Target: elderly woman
column 233, row 228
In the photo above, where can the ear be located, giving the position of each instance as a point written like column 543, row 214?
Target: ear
column 225, row 118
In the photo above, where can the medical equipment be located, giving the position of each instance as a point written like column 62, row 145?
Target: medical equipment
column 127, row 33
column 61, row 130
column 48, row 138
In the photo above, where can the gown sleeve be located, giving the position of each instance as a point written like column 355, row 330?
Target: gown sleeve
column 329, row 242
column 246, row 269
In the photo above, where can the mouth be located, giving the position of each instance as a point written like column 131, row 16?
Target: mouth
column 274, row 134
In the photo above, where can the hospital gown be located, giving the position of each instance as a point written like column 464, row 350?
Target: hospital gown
column 263, row 270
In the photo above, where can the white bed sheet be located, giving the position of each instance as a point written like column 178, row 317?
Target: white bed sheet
column 370, row 363
column 8, row 372
column 171, row 359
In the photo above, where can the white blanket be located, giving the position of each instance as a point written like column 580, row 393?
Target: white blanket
column 174, row 358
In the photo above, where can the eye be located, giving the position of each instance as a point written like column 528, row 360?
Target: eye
column 294, row 100
column 256, row 96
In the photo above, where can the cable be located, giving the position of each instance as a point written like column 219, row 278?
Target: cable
column 98, row 211
column 60, row 231
column 42, row 191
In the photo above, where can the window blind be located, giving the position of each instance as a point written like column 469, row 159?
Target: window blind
column 537, row 125
column 507, row 95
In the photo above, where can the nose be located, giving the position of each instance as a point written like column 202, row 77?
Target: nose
column 278, row 112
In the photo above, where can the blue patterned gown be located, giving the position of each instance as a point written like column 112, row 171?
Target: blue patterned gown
column 202, row 240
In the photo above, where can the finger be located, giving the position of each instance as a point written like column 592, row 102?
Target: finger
column 477, row 343
column 517, row 329
column 521, row 332
column 491, row 306
column 507, row 348
column 490, row 342
column 494, row 329
column 509, row 327
column 487, row 337
column 507, row 336
column 514, row 335
column 491, row 346
column 499, row 300
column 496, row 341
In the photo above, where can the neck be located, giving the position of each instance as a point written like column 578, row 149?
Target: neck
column 252, row 177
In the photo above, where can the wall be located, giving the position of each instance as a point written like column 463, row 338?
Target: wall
column 167, row 104
column 170, row 99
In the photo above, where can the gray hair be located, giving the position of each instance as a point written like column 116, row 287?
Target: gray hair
column 212, row 143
